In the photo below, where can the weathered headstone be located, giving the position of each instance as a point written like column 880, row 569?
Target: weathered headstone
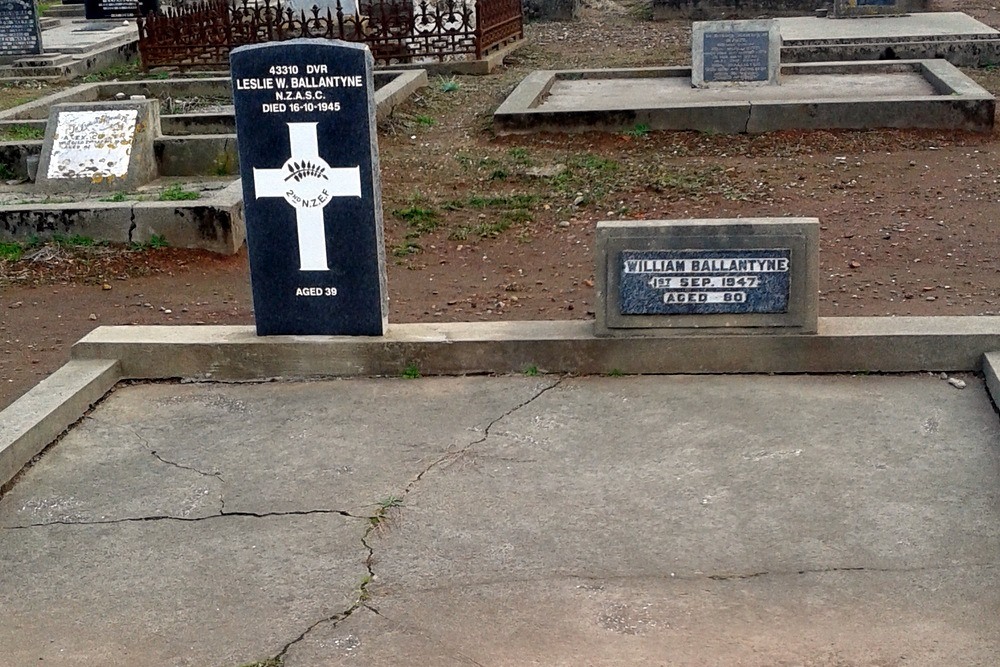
column 725, row 53
column 19, row 31
column 682, row 275
column 851, row 8
column 305, row 123
column 99, row 146
column 118, row 9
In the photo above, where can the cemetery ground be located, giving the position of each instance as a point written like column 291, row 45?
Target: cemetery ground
column 481, row 227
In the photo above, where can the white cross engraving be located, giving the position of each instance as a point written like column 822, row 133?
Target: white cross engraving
column 308, row 183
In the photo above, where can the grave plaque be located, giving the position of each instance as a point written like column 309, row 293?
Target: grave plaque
column 118, row 9
column 679, row 275
column 19, row 32
column 735, row 53
column 95, row 146
column 305, row 124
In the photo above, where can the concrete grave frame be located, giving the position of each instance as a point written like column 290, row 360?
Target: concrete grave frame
column 799, row 235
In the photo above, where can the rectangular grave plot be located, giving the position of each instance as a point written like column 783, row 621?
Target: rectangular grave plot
column 704, row 282
column 736, row 56
column 19, row 33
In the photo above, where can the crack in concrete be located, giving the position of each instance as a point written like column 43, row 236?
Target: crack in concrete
column 382, row 516
column 746, row 126
column 453, row 456
column 186, row 519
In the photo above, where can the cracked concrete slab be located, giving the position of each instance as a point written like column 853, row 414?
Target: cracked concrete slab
column 684, row 520
column 709, row 479
column 218, row 591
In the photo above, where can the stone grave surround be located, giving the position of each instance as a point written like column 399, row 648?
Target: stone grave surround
column 756, row 275
column 305, row 124
column 19, row 31
column 728, row 53
column 99, row 147
column 854, row 8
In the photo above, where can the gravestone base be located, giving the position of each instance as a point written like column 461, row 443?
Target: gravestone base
column 670, row 277
column 99, row 146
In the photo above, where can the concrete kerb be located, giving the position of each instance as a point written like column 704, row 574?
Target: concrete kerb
column 214, row 222
column 235, row 353
column 33, row 421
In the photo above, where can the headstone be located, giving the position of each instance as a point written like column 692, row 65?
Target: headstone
column 19, row 31
column 305, row 124
column 725, row 53
column 676, row 276
column 99, row 146
column 118, row 9
column 852, row 8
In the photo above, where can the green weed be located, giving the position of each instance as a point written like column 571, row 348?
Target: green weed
column 114, row 197
column 75, row 241
column 155, row 242
column 419, row 218
column 411, row 371
column 11, row 252
column 615, row 373
column 176, row 192
column 639, row 130
column 424, row 120
column 6, row 172
column 21, row 133
column 448, row 85
column 531, row 371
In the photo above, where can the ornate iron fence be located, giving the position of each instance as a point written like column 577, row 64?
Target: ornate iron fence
column 200, row 35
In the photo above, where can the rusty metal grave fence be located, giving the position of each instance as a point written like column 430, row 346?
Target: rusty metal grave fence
column 201, row 35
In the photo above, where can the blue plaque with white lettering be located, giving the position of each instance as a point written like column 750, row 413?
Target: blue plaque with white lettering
column 736, row 56
column 305, row 126
column 704, row 282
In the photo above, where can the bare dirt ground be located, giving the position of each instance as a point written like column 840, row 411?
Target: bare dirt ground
column 480, row 227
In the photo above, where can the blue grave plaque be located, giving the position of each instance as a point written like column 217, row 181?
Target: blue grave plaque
column 736, row 56
column 305, row 124
column 704, row 282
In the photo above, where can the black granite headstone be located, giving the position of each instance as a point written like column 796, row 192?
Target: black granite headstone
column 305, row 124
column 19, row 32
column 736, row 56
column 704, row 282
column 119, row 9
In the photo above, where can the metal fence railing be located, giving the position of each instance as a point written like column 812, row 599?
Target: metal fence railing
column 201, row 34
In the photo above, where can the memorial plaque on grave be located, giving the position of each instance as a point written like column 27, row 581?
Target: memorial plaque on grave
column 99, row 146
column 119, row 9
column 735, row 53
column 688, row 282
column 674, row 276
column 19, row 32
column 305, row 124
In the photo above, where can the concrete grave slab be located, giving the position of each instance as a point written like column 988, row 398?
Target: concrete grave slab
column 550, row 520
column 901, row 94
column 954, row 36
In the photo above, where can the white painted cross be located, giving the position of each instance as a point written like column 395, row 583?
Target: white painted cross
column 308, row 183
